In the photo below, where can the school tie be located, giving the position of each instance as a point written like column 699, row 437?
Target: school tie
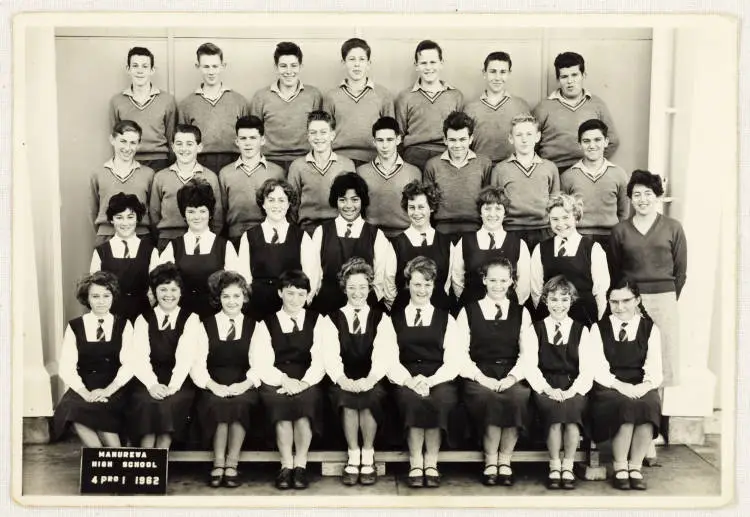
column 275, row 237
column 126, row 253
column 348, row 232
column 357, row 324
column 557, row 339
column 197, row 249
column 418, row 318
column 230, row 334
column 295, row 327
column 424, row 239
column 492, row 246
column 561, row 249
column 164, row 322
column 623, row 332
column 100, row 330
column 499, row 313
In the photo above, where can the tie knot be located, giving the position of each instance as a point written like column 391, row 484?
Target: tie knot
column 558, row 325
column 356, row 311
column 563, row 240
column 424, row 235
column 101, row 321
column 231, row 321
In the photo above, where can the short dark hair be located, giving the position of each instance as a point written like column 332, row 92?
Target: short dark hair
column 353, row 181
column 294, row 278
column 209, row 49
column 427, row 45
column 353, row 43
column 562, row 284
column 250, row 122
column 121, row 202
column 320, row 115
column 196, row 193
column 590, row 125
column 269, row 186
column 421, row 264
column 458, row 120
column 189, row 129
column 428, row 189
column 140, row 51
column 499, row 262
column 121, row 127
column 355, row 266
column 164, row 274
column 497, row 56
column 287, row 48
column 569, row 60
column 492, row 194
column 220, row 280
column 647, row 179
column 104, row 279
column 386, row 123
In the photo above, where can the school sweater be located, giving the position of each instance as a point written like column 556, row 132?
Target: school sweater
column 215, row 119
column 492, row 125
column 285, row 120
column 605, row 199
column 314, row 185
column 657, row 261
column 385, row 210
column 559, row 124
column 238, row 187
column 460, row 188
column 165, row 214
column 528, row 191
column 104, row 184
column 157, row 118
column 355, row 116
column 421, row 118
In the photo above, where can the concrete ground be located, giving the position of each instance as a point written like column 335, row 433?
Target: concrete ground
column 695, row 471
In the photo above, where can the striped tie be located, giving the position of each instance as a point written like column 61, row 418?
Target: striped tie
column 230, row 334
column 424, row 239
column 165, row 322
column 623, row 332
column 357, row 324
column 295, row 327
column 557, row 339
column 418, row 318
column 348, row 232
column 561, row 249
column 499, row 313
column 100, row 330
column 275, row 237
column 126, row 253
column 197, row 249
column 493, row 246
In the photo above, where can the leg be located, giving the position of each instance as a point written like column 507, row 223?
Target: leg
column 620, row 447
column 369, row 427
column 642, row 438
column 554, row 441
column 490, row 444
column 415, row 440
column 302, row 439
column 350, row 419
column 148, row 441
column 508, row 440
column 236, row 436
column 109, row 439
column 285, row 442
column 164, row 441
column 432, row 439
column 88, row 436
column 220, row 451
column 570, row 444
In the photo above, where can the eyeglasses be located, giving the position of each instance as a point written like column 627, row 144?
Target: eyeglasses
column 624, row 301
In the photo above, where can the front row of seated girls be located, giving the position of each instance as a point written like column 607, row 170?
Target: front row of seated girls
column 238, row 362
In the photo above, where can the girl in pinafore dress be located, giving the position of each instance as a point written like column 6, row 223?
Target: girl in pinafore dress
column 419, row 200
column 625, row 404
column 272, row 247
column 163, row 353
column 92, row 365
column 127, row 256
column 357, row 357
column 561, row 378
column 501, row 345
column 429, row 357
column 289, row 347
column 199, row 252
column 225, row 372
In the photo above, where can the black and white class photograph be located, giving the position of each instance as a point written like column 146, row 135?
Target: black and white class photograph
column 405, row 260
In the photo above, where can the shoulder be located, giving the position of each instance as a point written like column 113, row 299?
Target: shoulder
column 187, row 101
column 549, row 165
column 312, row 91
column 227, row 171
column 618, row 174
column 433, row 163
column 297, row 165
column 473, row 107
column 261, row 94
column 210, row 176
column 544, row 105
column 404, row 95
column 484, row 161
column 167, row 98
column 236, row 97
column 673, row 224
column 382, row 91
column 345, row 163
column 520, row 102
column 275, row 168
column 595, row 99
column 413, row 169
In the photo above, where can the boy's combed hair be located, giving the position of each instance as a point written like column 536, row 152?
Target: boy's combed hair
column 523, row 117
column 190, row 129
column 209, row 49
column 164, row 274
column 559, row 284
column 499, row 262
column 492, row 195
column 220, row 280
column 349, row 181
column 194, row 194
column 458, row 120
column 386, row 123
column 569, row 60
column 323, row 116
column 141, row 51
column 571, row 204
column 294, row 278
column 287, row 48
column 427, row 45
column 355, row 266
column 431, row 191
column 124, row 126
column 647, row 179
column 353, row 43
column 497, row 56
column 121, row 202
column 250, row 122
column 269, row 186
column 104, row 279
column 590, row 125
column 421, row 264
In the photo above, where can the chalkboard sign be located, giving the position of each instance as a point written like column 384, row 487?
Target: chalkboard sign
column 123, row 471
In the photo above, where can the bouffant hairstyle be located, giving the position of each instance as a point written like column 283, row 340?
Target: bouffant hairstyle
column 571, row 204
column 559, row 284
column 164, row 274
column 121, row 202
column 424, row 265
column 194, row 194
column 647, row 179
column 355, row 266
column 220, row 280
column 102, row 278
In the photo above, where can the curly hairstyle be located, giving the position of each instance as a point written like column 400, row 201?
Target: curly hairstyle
column 164, row 274
column 101, row 278
column 571, row 204
column 350, row 181
column 429, row 190
column 490, row 195
column 220, row 280
column 424, row 265
column 355, row 266
column 269, row 186
column 559, row 284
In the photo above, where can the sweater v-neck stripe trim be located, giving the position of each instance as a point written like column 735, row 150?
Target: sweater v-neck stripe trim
column 355, row 98
column 143, row 106
column 383, row 173
column 527, row 172
column 575, row 106
column 495, row 107
column 430, row 98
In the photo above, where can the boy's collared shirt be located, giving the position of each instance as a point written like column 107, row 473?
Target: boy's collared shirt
column 387, row 173
column 593, row 175
column 128, row 92
column 430, row 95
column 470, row 155
column 110, row 164
column 222, row 90
column 240, row 164
column 275, row 89
column 344, row 85
column 558, row 96
column 309, row 158
column 197, row 168
column 536, row 160
column 486, row 100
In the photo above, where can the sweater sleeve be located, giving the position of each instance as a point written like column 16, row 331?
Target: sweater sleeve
column 218, row 220
column 402, row 114
column 614, row 138
column 615, row 254
column 387, row 107
column 170, row 122
column 623, row 201
column 93, row 200
column 679, row 254
column 541, row 115
column 256, row 105
column 154, row 203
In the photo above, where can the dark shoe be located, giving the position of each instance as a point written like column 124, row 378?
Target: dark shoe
column 431, row 477
column 637, row 483
column 368, row 475
column 553, row 483
column 504, row 479
column 284, row 479
column 300, row 478
column 350, row 478
column 621, row 483
column 489, row 479
column 217, row 474
column 415, row 481
column 231, row 477
column 568, row 483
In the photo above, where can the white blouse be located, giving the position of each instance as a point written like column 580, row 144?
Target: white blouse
column 204, row 245
column 117, row 246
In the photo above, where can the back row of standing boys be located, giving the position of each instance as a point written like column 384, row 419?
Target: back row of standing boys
column 489, row 177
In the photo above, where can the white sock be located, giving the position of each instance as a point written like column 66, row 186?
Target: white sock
column 504, row 459
column 620, row 466
column 554, row 464
column 567, row 464
column 368, row 456
column 354, row 456
column 299, row 462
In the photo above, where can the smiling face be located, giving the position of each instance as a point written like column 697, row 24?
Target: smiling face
column 357, row 64
column 249, row 142
column 197, row 218
column 523, row 137
column 386, row 143
column 186, row 148
column 125, row 145
column 562, row 222
column 492, row 215
column 168, row 296
column 232, row 299
column 100, row 299
column 644, row 200
column 320, row 135
column 558, row 304
column 276, row 205
column 570, row 82
column 496, row 75
column 210, row 67
column 593, row 143
column 497, row 280
column 287, row 70
column 125, row 223
column 357, row 289
column 418, row 210
column 292, row 299
column 623, row 303
column 349, row 205
column 458, row 142
column 429, row 66
column 420, row 289
column 140, row 70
